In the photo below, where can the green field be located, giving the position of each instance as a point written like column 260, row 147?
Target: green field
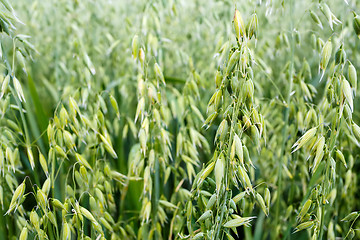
column 179, row 119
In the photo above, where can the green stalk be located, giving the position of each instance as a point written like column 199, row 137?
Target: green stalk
column 247, row 230
column 155, row 193
column 321, row 201
column 3, row 229
column 222, row 212
column 227, row 179
column 333, row 137
column 352, row 224
column 50, row 230
column 282, row 155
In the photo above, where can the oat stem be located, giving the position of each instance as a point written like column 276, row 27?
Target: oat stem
column 335, row 130
column 283, row 156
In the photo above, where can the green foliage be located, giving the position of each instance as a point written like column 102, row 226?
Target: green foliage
column 179, row 119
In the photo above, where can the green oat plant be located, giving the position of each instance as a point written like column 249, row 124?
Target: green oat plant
column 111, row 125
column 231, row 162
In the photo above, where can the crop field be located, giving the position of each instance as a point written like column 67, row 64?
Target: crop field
column 179, row 119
